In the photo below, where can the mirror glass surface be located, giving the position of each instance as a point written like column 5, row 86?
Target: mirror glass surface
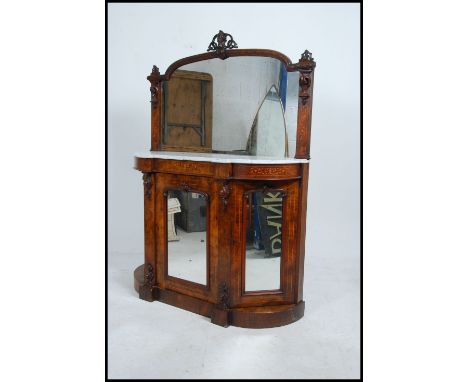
column 263, row 249
column 268, row 133
column 186, row 235
column 214, row 104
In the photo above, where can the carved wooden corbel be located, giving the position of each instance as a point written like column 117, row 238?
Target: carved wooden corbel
column 148, row 183
column 224, row 193
column 304, row 85
column 305, row 66
column 154, row 93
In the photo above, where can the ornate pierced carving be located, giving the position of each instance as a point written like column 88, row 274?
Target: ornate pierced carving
column 148, row 183
column 221, row 42
column 223, row 295
column 155, row 70
column 146, row 290
column 306, row 56
column 306, row 63
column 304, row 84
column 224, row 193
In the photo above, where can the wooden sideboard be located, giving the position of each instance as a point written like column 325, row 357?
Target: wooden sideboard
column 226, row 183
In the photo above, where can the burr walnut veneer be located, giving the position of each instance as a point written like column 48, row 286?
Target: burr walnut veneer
column 225, row 182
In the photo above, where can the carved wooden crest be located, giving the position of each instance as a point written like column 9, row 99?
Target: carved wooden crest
column 306, row 62
column 306, row 56
column 221, row 42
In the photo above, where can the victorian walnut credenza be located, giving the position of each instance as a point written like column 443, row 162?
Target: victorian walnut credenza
column 224, row 204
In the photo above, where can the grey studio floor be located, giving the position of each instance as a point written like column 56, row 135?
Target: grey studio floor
column 155, row 340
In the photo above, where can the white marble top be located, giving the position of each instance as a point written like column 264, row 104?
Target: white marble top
column 218, row 158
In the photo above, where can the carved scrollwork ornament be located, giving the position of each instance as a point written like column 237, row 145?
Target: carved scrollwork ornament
column 224, row 193
column 155, row 75
column 306, row 62
column 304, row 84
column 154, row 92
column 220, row 43
column 148, row 182
column 155, row 79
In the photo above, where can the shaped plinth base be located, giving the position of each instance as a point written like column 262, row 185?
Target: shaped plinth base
column 248, row 317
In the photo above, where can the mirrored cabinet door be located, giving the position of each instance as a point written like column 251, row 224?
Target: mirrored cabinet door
column 263, row 239
column 187, row 235
column 265, row 242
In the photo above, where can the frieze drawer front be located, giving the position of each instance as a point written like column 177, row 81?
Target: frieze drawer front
column 288, row 171
column 185, row 167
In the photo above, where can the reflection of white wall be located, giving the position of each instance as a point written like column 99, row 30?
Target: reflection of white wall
column 239, row 87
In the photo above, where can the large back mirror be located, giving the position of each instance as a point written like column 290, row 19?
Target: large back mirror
column 229, row 106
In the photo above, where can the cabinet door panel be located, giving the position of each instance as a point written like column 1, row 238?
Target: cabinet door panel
column 186, row 235
column 264, row 243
